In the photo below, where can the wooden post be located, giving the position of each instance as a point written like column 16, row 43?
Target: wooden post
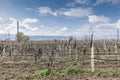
column 10, row 51
column 116, row 51
column 104, row 46
column 4, row 51
column 92, row 58
column 60, row 50
column 89, row 34
column 117, row 34
column 116, row 48
column 70, row 51
column 92, row 54
column 18, row 31
column 14, row 50
column 77, row 56
column 35, row 57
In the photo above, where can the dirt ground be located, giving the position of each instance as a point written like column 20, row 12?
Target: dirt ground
column 24, row 71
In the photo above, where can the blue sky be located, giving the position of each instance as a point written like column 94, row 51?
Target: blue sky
column 60, row 17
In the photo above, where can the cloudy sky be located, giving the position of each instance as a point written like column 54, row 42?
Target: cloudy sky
column 60, row 17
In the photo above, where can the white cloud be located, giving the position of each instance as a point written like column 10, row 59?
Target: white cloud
column 13, row 23
column 6, row 27
column 54, row 13
column 50, row 31
column 100, row 30
column 98, row 19
column 46, row 11
column 72, row 12
column 25, row 25
column 30, row 20
column 64, row 29
column 118, row 24
column 77, row 2
column 104, row 31
column 82, row 1
column 107, row 1
column 0, row 18
column 2, row 31
column 76, row 12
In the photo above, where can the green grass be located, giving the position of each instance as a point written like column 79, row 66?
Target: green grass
column 47, row 72
column 72, row 70
column 42, row 73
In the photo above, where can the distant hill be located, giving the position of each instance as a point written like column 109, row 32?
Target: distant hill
column 35, row 37
column 41, row 37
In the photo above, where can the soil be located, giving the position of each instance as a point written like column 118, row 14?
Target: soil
column 18, row 70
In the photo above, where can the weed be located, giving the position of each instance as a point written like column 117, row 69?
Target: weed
column 42, row 73
column 72, row 70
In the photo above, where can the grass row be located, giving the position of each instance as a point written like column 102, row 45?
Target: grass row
column 70, row 70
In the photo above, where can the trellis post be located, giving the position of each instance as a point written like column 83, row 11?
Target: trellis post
column 92, row 53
